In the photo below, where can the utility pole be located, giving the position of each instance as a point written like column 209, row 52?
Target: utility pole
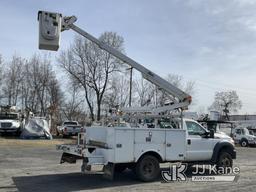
column 130, row 94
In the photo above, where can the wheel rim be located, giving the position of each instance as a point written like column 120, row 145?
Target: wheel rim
column 244, row 144
column 148, row 169
column 225, row 161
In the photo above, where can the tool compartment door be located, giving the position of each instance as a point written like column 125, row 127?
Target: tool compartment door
column 124, row 145
column 175, row 145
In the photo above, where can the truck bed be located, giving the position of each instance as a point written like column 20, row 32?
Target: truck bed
column 125, row 145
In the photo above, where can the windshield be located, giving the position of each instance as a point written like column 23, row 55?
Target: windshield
column 70, row 123
column 246, row 131
column 9, row 116
column 251, row 132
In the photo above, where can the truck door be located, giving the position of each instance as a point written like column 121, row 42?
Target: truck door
column 175, row 145
column 198, row 147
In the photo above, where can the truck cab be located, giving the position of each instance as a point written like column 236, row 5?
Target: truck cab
column 244, row 137
column 200, row 142
column 10, row 123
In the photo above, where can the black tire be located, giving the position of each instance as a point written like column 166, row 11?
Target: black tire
column 147, row 168
column 17, row 134
column 224, row 161
column 244, row 143
column 190, row 166
column 119, row 168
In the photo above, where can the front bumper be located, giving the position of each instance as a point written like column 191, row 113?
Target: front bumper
column 9, row 130
column 70, row 133
column 252, row 142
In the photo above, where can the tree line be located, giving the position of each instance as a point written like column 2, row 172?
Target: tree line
column 92, row 82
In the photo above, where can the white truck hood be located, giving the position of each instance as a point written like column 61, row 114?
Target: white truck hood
column 221, row 135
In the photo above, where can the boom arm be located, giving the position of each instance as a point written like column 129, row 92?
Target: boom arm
column 179, row 97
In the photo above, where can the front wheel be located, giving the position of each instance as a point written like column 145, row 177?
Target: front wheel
column 147, row 168
column 244, row 143
column 225, row 161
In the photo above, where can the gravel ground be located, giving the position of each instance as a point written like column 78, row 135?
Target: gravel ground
column 33, row 165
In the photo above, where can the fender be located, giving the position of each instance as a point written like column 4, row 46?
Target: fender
column 151, row 152
column 223, row 145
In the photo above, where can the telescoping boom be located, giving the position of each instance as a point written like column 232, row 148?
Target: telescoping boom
column 50, row 27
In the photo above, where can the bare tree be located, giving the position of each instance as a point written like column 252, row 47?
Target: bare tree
column 150, row 94
column 1, row 68
column 226, row 102
column 177, row 81
column 40, row 90
column 1, row 76
column 73, row 106
column 91, row 66
column 117, row 92
column 145, row 91
column 13, row 78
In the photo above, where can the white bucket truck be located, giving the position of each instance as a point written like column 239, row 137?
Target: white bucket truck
column 140, row 149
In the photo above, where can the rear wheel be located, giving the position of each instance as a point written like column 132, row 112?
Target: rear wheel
column 147, row 168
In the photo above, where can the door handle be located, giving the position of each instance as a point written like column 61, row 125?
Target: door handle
column 189, row 141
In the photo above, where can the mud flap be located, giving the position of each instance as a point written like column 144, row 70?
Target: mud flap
column 109, row 171
column 85, row 168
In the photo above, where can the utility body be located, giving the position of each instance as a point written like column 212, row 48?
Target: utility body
column 126, row 147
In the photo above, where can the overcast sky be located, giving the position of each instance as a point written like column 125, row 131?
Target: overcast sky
column 210, row 42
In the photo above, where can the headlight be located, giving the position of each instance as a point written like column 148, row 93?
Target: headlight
column 15, row 124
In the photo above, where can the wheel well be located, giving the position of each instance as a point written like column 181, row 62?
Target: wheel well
column 152, row 153
column 220, row 147
column 226, row 149
column 243, row 139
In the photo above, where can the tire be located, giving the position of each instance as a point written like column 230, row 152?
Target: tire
column 17, row 134
column 190, row 166
column 224, row 161
column 244, row 143
column 147, row 168
column 119, row 168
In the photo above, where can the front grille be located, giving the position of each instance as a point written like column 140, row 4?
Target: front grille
column 6, row 125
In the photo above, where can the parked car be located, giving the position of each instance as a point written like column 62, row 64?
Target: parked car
column 69, row 128
column 10, row 123
column 243, row 137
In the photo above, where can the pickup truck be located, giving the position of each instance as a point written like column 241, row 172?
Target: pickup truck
column 10, row 123
column 69, row 128
column 244, row 137
column 143, row 149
